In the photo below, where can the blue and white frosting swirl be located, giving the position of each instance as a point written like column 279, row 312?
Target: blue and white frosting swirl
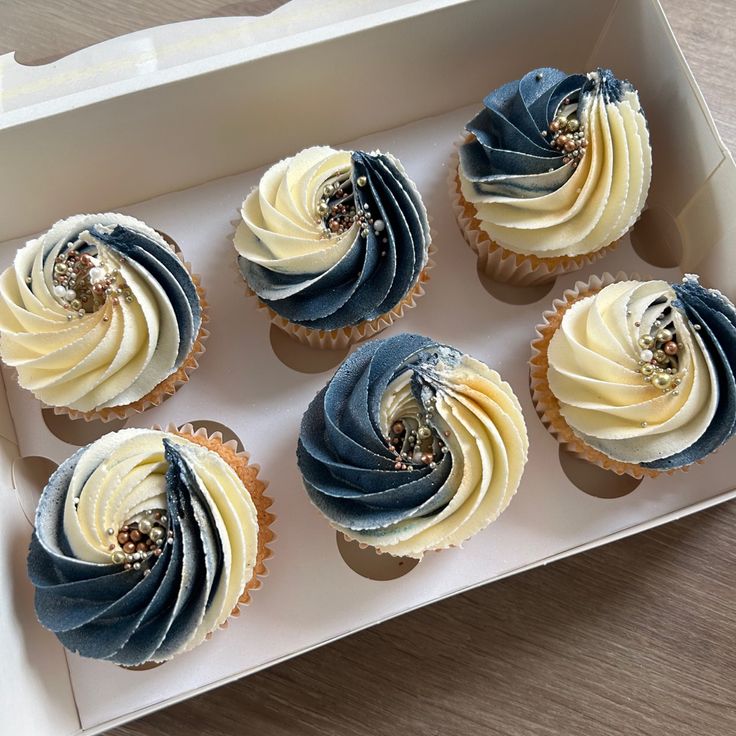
column 97, row 312
column 194, row 528
column 330, row 239
column 557, row 164
column 412, row 446
column 645, row 371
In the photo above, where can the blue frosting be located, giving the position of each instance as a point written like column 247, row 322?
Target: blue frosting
column 349, row 471
column 156, row 260
column 511, row 153
column 373, row 276
column 127, row 616
column 716, row 320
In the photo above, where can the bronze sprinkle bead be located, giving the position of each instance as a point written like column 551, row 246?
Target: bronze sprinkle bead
column 141, row 547
column 135, row 535
column 129, row 547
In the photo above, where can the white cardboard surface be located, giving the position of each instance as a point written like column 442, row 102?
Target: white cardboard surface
column 311, row 596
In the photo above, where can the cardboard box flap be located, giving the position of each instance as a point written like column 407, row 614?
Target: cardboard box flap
column 138, row 59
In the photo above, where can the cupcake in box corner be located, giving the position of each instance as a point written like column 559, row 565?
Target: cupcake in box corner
column 638, row 376
column 335, row 244
column 553, row 171
column 100, row 317
column 146, row 541
column 412, row 446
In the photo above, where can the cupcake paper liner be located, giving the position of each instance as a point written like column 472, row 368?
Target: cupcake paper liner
column 239, row 461
column 545, row 402
column 344, row 336
column 498, row 262
column 169, row 386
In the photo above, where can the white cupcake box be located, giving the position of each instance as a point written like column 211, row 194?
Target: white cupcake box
column 174, row 125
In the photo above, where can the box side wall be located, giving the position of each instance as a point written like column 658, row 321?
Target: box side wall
column 37, row 698
column 692, row 192
column 208, row 126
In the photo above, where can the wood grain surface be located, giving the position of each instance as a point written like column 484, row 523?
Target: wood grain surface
column 638, row 637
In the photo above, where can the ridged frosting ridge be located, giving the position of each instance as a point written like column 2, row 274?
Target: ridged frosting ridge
column 195, row 527
column 558, row 164
column 97, row 312
column 644, row 371
column 332, row 238
column 412, row 446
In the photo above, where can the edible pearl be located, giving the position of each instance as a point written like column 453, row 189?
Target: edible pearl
column 670, row 348
column 660, row 356
column 129, row 547
column 118, row 557
column 144, row 525
column 59, row 291
column 573, row 125
column 379, row 226
column 156, row 533
column 664, row 335
column 361, row 181
column 647, row 369
column 570, row 145
column 646, row 341
column 646, row 355
column 661, row 380
column 424, row 433
column 427, row 458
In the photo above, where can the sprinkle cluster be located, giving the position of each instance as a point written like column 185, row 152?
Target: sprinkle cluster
column 568, row 135
column 339, row 211
column 82, row 285
column 413, row 443
column 658, row 359
column 138, row 541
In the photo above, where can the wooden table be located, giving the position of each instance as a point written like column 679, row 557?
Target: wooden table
column 638, row 637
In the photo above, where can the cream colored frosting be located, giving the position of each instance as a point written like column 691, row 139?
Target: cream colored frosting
column 594, row 372
column 110, row 357
column 486, row 435
column 281, row 229
column 598, row 203
column 123, row 474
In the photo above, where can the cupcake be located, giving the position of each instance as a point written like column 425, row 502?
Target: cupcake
column 638, row 376
column 335, row 244
column 552, row 172
column 99, row 317
column 146, row 542
column 412, row 446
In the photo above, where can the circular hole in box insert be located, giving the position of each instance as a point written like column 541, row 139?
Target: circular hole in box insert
column 211, row 426
column 369, row 564
column 512, row 294
column 302, row 358
column 594, row 480
column 141, row 667
column 656, row 238
column 30, row 475
column 78, row 431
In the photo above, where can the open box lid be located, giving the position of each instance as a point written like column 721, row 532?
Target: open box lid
column 694, row 211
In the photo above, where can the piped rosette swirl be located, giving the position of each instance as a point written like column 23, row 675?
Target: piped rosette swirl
column 145, row 543
column 99, row 315
column 334, row 242
column 412, row 446
column 555, row 168
column 638, row 376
